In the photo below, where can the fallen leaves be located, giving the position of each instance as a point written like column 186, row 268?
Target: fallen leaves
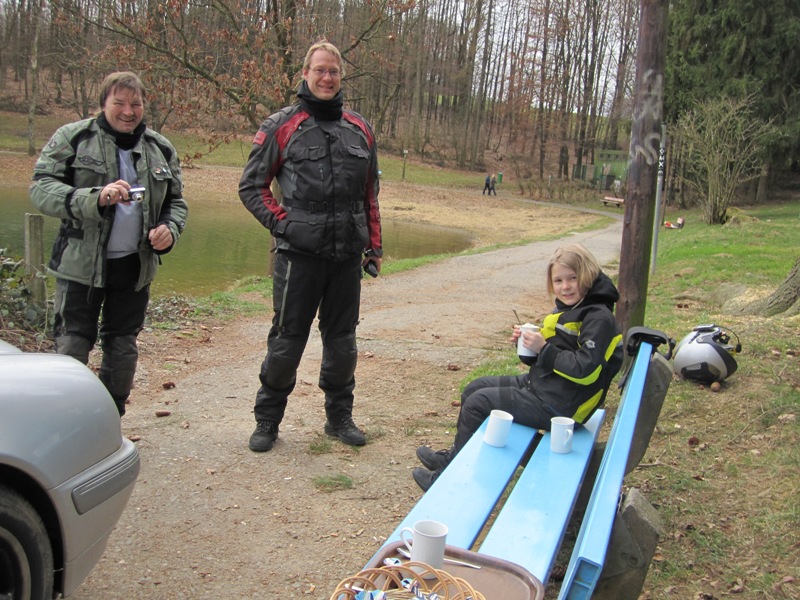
column 694, row 442
column 787, row 580
column 737, row 587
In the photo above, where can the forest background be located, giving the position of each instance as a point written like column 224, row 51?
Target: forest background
column 492, row 85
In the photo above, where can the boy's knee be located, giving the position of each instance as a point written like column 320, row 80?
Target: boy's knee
column 472, row 387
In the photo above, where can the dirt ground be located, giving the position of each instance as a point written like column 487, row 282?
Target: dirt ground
column 211, row 519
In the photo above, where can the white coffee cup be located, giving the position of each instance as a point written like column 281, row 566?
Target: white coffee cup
column 521, row 349
column 497, row 428
column 427, row 542
column 561, row 430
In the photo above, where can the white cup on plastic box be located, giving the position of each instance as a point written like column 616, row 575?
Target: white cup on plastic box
column 561, row 431
column 427, row 542
column 521, row 349
column 497, row 428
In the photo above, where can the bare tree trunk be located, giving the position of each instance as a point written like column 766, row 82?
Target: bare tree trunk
column 82, row 83
column 626, row 30
column 564, row 61
column 763, row 185
column 480, row 103
column 586, row 113
column 542, row 84
column 784, row 300
column 600, row 27
column 468, row 102
column 36, row 11
column 421, row 66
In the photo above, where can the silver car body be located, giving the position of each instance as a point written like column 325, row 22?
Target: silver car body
column 61, row 446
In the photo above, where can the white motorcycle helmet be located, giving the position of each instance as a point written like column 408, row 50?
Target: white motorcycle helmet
column 705, row 354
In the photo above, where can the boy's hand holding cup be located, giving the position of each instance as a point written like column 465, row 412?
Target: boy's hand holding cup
column 522, row 349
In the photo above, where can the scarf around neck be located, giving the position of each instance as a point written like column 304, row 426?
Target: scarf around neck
column 126, row 141
column 322, row 110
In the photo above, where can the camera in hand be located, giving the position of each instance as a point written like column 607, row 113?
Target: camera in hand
column 371, row 269
column 136, row 194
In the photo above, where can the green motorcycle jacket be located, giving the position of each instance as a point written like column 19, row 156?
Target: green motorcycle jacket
column 77, row 162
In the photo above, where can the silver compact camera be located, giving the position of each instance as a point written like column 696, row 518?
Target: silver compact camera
column 136, row 194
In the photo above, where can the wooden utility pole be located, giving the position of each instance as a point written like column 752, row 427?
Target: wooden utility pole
column 640, row 206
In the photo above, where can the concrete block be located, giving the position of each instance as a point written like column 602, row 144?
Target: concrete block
column 634, row 538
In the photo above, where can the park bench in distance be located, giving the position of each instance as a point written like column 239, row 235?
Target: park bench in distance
column 530, row 526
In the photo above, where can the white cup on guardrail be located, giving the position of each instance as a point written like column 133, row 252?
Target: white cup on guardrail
column 561, row 431
column 497, row 428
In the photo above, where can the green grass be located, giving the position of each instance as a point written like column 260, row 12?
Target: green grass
column 509, row 365
column 391, row 167
column 251, row 296
column 333, row 483
column 734, row 497
column 697, row 267
column 321, row 445
column 14, row 131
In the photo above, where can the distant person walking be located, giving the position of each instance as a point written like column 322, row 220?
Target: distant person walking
column 112, row 235
column 487, row 186
column 493, row 185
column 326, row 228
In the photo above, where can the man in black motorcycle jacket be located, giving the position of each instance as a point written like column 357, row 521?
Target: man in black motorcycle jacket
column 325, row 228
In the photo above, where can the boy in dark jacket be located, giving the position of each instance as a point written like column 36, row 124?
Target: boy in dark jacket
column 578, row 352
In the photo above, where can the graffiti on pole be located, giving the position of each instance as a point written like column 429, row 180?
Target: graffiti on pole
column 647, row 118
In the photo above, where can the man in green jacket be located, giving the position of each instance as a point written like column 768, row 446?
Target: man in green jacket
column 117, row 188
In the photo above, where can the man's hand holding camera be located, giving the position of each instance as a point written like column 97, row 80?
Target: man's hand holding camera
column 120, row 191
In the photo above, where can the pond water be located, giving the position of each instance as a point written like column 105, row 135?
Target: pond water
column 224, row 243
